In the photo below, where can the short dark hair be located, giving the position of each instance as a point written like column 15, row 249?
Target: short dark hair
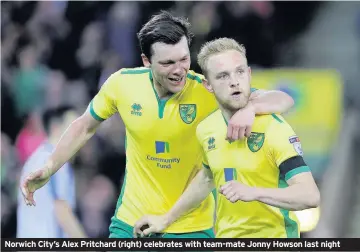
column 165, row 28
column 55, row 114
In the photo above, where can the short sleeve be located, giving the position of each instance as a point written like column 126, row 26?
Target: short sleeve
column 285, row 148
column 104, row 104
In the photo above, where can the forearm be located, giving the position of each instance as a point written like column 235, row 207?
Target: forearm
column 200, row 187
column 76, row 135
column 271, row 102
column 292, row 198
column 67, row 220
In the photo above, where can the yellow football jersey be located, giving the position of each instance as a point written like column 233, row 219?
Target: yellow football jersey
column 162, row 151
column 268, row 158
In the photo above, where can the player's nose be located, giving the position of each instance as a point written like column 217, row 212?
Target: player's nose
column 177, row 71
column 234, row 81
column 234, row 84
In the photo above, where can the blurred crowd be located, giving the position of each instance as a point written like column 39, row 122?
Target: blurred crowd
column 60, row 52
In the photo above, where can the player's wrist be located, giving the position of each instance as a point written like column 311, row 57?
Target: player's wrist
column 168, row 219
column 48, row 169
column 251, row 107
column 256, row 193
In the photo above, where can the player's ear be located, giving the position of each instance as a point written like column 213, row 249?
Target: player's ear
column 206, row 84
column 145, row 60
column 249, row 71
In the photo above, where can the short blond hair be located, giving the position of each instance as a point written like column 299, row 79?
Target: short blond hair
column 217, row 46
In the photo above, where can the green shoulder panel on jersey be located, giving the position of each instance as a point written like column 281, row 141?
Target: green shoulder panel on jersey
column 277, row 118
column 194, row 77
column 139, row 70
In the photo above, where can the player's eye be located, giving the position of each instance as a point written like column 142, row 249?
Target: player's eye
column 240, row 71
column 222, row 76
column 166, row 64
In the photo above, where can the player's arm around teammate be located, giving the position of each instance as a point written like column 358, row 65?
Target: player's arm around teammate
column 261, row 102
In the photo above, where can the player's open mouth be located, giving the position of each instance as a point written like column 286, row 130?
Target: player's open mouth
column 176, row 80
column 236, row 94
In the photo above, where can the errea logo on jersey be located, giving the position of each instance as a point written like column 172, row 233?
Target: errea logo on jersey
column 136, row 109
column 211, row 143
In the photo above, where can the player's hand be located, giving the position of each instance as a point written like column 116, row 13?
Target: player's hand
column 150, row 224
column 33, row 182
column 240, row 124
column 235, row 190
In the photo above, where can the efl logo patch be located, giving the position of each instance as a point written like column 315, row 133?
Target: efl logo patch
column 295, row 141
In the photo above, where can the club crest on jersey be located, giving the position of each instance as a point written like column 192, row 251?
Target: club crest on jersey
column 187, row 112
column 255, row 141
column 136, row 109
column 295, row 141
column 211, row 143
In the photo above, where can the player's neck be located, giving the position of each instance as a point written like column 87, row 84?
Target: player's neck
column 162, row 92
column 227, row 113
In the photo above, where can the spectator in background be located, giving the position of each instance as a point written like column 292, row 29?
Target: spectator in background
column 10, row 175
column 204, row 18
column 77, row 95
column 122, row 23
column 89, row 54
column 111, row 62
column 30, row 136
column 54, row 90
column 95, row 214
column 53, row 217
column 29, row 82
column 253, row 29
column 9, row 165
column 11, row 34
column 50, row 15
